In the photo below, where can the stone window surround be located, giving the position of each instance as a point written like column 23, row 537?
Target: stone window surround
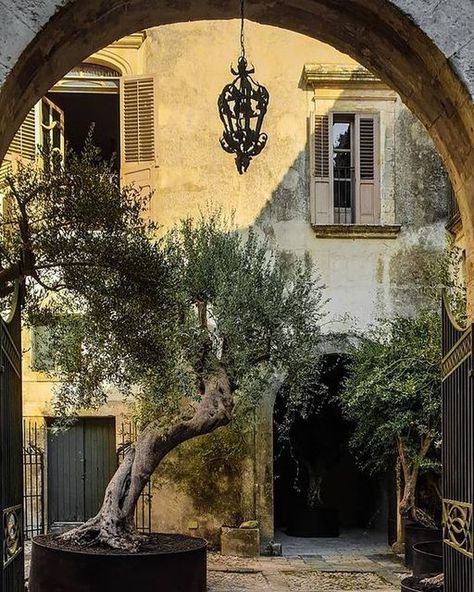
column 331, row 80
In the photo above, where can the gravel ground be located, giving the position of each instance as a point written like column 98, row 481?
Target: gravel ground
column 236, row 582
column 322, row 581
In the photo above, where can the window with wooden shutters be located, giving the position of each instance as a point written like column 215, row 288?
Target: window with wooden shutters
column 139, row 119
column 345, row 176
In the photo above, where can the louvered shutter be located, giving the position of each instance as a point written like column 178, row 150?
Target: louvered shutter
column 138, row 131
column 367, row 190
column 5, row 169
column 24, row 142
column 322, row 202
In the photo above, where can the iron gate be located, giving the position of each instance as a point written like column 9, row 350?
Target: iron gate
column 11, row 471
column 458, row 454
column 128, row 435
column 33, row 477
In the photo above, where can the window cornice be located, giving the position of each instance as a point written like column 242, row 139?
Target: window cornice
column 339, row 76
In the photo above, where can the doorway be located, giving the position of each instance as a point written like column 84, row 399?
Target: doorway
column 318, row 449
column 81, row 462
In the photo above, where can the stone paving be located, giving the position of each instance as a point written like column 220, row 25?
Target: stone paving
column 355, row 561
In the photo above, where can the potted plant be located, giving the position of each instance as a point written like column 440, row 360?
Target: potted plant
column 191, row 327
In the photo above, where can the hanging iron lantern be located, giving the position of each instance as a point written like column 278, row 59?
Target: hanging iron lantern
column 242, row 107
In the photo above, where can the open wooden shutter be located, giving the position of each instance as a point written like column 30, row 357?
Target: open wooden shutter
column 137, row 131
column 23, row 145
column 367, row 175
column 322, row 202
column 52, row 126
column 22, row 149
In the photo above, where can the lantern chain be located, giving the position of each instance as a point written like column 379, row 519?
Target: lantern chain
column 242, row 28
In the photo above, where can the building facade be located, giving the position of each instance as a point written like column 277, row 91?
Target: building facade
column 349, row 176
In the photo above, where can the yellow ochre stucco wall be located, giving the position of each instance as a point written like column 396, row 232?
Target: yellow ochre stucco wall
column 364, row 276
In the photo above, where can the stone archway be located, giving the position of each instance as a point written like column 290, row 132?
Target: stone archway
column 423, row 49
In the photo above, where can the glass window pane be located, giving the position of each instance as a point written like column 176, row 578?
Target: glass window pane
column 342, row 160
column 341, row 133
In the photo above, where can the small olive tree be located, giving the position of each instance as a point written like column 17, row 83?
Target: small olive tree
column 192, row 327
column 393, row 390
column 393, row 398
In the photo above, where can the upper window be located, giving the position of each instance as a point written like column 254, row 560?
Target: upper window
column 345, row 180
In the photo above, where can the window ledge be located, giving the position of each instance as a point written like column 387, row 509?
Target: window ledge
column 356, row 230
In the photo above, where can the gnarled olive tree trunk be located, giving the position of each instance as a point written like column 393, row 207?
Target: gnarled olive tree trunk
column 114, row 524
column 411, row 470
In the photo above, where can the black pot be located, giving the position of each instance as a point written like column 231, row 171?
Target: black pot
column 427, row 558
column 412, row 584
column 416, row 533
column 63, row 570
column 319, row 522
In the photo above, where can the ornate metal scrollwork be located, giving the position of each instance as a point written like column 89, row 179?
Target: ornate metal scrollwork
column 242, row 107
column 458, row 354
column 12, row 533
column 458, row 526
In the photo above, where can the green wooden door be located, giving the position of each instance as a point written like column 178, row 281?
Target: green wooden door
column 81, row 462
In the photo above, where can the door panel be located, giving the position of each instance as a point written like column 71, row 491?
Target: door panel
column 81, row 462
column 65, row 475
column 100, row 461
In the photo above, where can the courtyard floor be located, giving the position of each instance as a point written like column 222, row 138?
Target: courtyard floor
column 354, row 561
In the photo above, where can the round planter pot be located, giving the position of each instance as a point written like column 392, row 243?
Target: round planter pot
column 416, row 533
column 178, row 564
column 319, row 522
column 412, row 584
column 427, row 558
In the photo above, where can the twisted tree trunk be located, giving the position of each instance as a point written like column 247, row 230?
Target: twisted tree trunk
column 114, row 524
column 411, row 470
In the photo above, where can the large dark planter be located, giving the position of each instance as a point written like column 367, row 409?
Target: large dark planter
column 427, row 558
column 412, row 584
column 319, row 522
column 416, row 533
column 56, row 569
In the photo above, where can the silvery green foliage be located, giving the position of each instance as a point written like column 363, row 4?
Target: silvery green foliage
column 151, row 317
column 394, row 388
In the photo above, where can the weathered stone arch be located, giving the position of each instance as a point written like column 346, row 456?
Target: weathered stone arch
column 424, row 49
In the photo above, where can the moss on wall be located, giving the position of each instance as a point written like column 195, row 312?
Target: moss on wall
column 210, row 470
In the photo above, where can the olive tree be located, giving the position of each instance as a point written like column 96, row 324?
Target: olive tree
column 191, row 325
column 393, row 390
column 393, row 398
